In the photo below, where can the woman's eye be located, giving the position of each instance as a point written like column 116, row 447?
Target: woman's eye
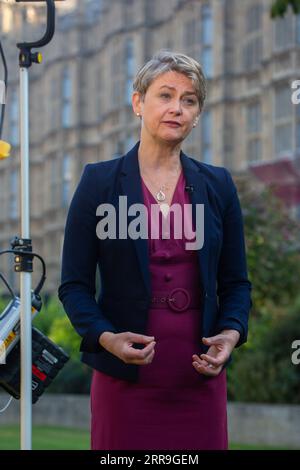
column 190, row 101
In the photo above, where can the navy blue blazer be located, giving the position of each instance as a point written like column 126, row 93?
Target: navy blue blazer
column 125, row 294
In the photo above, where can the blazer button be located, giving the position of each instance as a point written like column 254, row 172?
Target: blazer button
column 168, row 277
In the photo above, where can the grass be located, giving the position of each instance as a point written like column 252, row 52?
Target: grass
column 46, row 438
column 256, row 447
column 53, row 438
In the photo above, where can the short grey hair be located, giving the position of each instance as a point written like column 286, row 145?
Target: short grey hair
column 167, row 61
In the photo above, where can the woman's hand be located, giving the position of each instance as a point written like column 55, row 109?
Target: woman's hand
column 220, row 348
column 120, row 344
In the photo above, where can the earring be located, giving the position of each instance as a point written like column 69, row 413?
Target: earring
column 137, row 114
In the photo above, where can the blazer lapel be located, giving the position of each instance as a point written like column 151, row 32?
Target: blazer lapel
column 195, row 178
column 132, row 188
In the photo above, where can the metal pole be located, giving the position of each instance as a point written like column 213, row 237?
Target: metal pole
column 25, row 277
column 26, row 58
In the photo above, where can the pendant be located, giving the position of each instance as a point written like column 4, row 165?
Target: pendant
column 160, row 196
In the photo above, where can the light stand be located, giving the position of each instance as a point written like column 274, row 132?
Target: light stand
column 26, row 59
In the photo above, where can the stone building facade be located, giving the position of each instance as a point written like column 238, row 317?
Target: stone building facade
column 80, row 96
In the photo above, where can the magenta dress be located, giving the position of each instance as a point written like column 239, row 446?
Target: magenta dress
column 172, row 406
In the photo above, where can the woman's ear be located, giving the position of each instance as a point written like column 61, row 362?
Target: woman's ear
column 136, row 103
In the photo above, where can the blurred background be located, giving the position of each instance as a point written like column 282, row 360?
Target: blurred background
column 80, row 112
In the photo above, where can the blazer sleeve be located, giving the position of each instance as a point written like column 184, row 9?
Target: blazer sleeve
column 234, row 288
column 79, row 262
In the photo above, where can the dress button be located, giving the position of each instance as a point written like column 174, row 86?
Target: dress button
column 168, row 277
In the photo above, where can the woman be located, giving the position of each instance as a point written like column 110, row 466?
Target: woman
column 161, row 334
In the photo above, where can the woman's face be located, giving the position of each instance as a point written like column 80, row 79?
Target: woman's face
column 171, row 97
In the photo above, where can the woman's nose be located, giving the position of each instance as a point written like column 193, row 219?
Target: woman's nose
column 176, row 107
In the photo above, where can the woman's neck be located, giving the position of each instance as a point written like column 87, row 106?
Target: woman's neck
column 157, row 157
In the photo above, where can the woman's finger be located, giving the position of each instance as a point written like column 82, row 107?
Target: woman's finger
column 138, row 338
column 139, row 354
column 213, row 340
column 215, row 361
column 146, row 360
column 208, row 369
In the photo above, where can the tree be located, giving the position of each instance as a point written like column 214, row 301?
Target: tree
column 273, row 248
column 262, row 370
column 280, row 7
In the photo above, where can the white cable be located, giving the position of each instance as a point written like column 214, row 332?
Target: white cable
column 7, row 405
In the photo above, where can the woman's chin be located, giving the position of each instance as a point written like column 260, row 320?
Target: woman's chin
column 171, row 137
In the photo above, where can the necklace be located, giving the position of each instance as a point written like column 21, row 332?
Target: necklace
column 160, row 195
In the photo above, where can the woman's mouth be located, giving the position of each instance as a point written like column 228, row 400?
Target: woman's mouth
column 172, row 123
